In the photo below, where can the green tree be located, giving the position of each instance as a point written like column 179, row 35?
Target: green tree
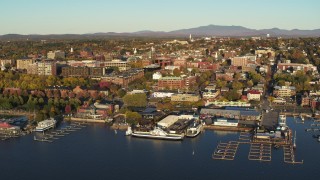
column 135, row 100
column 232, row 95
column 176, row 72
column 133, row 117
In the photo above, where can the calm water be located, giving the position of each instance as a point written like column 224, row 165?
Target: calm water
column 96, row 152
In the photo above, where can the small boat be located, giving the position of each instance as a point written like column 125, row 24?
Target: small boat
column 129, row 131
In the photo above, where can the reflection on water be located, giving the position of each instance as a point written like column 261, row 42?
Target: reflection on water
column 224, row 133
column 96, row 151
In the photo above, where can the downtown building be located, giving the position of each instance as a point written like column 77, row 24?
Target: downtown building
column 85, row 71
column 124, row 78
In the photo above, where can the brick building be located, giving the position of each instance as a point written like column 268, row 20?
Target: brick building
column 123, row 79
column 171, row 83
column 83, row 71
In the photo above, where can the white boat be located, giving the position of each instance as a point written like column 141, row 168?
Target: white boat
column 194, row 130
column 302, row 118
column 45, row 125
column 129, row 131
column 225, row 122
column 157, row 133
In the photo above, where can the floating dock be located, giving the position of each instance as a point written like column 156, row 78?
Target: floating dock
column 53, row 135
column 260, row 152
column 226, row 151
column 289, row 155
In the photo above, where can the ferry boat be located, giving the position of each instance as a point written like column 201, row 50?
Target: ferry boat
column 157, row 133
column 194, row 130
column 225, row 122
column 45, row 125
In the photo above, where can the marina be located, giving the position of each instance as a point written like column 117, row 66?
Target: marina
column 260, row 152
column 65, row 152
column 226, row 151
column 55, row 134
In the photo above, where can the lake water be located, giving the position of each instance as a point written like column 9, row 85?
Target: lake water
column 96, row 152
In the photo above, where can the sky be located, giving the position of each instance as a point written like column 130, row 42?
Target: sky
column 91, row 16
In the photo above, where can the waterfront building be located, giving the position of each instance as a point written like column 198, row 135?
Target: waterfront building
column 237, row 113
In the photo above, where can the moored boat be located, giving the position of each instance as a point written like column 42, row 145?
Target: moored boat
column 194, row 130
column 45, row 125
column 157, row 133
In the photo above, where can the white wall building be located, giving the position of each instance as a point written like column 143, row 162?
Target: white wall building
column 156, row 76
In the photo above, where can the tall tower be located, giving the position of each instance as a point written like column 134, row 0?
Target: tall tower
column 71, row 49
column 190, row 37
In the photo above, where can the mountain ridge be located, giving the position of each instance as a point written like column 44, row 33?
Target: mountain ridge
column 209, row 30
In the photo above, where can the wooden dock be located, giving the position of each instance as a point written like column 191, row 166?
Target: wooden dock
column 56, row 134
column 260, row 152
column 289, row 155
column 226, row 128
column 226, row 151
column 245, row 137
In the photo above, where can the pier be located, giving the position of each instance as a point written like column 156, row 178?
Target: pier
column 289, row 155
column 56, row 134
column 260, row 152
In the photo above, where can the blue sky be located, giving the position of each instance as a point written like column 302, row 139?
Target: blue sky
column 89, row 16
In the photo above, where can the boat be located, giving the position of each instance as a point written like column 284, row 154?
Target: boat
column 194, row 130
column 302, row 118
column 225, row 122
column 45, row 125
column 157, row 133
column 129, row 131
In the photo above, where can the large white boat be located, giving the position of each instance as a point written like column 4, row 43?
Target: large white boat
column 194, row 130
column 225, row 122
column 45, row 125
column 157, row 133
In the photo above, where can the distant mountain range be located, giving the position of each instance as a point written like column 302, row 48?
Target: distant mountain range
column 210, row 30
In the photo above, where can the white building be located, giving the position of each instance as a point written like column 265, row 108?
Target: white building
column 254, row 95
column 156, row 76
column 161, row 94
column 171, row 119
